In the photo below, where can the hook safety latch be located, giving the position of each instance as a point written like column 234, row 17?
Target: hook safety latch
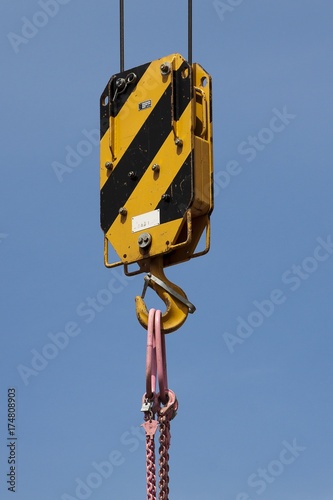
column 150, row 278
column 177, row 305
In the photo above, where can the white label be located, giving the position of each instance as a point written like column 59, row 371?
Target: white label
column 144, row 104
column 144, row 221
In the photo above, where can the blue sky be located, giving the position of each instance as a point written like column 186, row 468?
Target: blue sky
column 252, row 367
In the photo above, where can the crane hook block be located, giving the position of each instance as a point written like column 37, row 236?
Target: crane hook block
column 156, row 164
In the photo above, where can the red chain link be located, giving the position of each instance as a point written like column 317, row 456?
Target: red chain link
column 150, row 468
column 164, row 457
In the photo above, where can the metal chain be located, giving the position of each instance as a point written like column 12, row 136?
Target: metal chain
column 150, row 468
column 164, row 405
column 150, row 427
column 164, row 441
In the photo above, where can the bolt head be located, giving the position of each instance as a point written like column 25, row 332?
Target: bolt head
column 155, row 167
column 108, row 165
column 144, row 240
column 165, row 68
column 122, row 211
column 178, row 142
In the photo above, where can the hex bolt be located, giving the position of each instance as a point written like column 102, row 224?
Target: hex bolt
column 165, row 68
column 122, row 211
column 108, row 165
column 166, row 197
column 155, row 167
column 178, row 142
column 132, row 175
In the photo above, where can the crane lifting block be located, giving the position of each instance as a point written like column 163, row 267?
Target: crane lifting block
column 156, row 164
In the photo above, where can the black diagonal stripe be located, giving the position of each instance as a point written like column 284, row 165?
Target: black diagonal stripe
column 182, row 89
column 180, row 193
column 138, row 156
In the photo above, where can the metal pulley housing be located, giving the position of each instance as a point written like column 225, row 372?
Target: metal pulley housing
column 156, row 162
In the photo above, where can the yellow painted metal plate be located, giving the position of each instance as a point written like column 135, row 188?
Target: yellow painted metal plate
column 155, row 157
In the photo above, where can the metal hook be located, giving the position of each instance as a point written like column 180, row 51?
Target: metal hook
column 177, row 305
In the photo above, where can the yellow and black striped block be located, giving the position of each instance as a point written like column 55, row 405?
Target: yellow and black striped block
column 156, row 160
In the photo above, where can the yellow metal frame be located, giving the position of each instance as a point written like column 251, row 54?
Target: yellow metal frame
column 114, row 143
column 172, row 247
